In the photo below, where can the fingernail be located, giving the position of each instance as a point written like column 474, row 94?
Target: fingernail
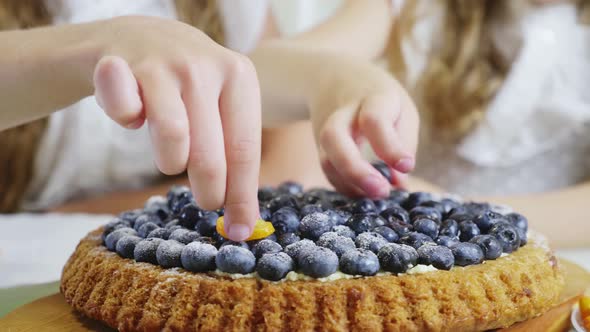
column 238, row 232
column 375, row 186
column 405, row 165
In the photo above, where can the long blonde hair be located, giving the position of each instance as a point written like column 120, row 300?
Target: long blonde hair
column 18, row 146
column 464, row 70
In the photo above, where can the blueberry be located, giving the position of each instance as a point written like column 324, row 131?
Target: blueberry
column 447, row 204
column 290, row 187
column 241, row 244
column 275, row 266
column 492, row 248
column 416, row 240
column 205, row 239
column 146, row 228
column 486, row 220
column 426, row 226
column 296, row 249
column 439, row 206
column 126, row 245
column 361, row 223
column 467, row 254
column 207, row 223
column 111, row 239
column 178, row 197
column 130, row 216
column 265, row 194
column 265, row 214
column 189, row 215
column 172, row 224
column 309, row 209
column 282, row 200
column 363, row 206
column 336, row 243
column 440, row 257
column 395, row 214
column 338, row 217
column 162, row 233
column 288, row 238
column 449, row 227
column 370, row 241
column 461, row 217
column 198, row 257
column 398, row 196
column 168, row 254
column 217, row 238
column 389, row 234
column 421, row 212
column 359, row 262
column 448, row 241
column 265, row 247
column 401, row 228
column 397, row 258
column 285, row 220
column 507, row 234
column 467, row 230
column 476, row 208
column 220, row 211
column 459, row 209
column 145, row 218
column 314, row 225
column 318, row 262
column 145, row 250
column 157, row 205
column 113, row 225
column 521, row 224
column 233, row 259
column 382, row 205
column 184, row 236
column 415, row 199
column 382, row 168
column 344, row 231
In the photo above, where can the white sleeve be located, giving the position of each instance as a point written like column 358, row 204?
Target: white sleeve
column 243, row 22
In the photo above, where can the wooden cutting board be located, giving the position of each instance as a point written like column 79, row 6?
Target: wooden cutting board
column 52, row 313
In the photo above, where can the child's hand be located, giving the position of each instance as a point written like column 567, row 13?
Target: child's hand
column 364, row 102
column 200, row 101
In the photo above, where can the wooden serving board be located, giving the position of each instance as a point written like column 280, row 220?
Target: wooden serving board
column 52, row 313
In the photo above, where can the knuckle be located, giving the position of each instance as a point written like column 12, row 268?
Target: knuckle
column 203, row 162
column 370, row 120
column 239, row 66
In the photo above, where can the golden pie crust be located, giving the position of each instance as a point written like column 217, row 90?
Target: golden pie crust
column 132, row 296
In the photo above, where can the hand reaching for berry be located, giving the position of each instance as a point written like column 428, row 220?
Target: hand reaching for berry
column 200, row 101
column 374, row 107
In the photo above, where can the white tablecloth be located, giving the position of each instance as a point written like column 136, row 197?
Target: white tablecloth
column 34, row 248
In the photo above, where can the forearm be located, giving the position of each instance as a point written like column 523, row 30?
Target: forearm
column 43, row 70
column 359, row 28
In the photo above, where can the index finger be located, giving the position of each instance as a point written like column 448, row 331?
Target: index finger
column 240, row 111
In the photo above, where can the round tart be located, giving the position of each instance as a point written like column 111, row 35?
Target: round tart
column 411, row 262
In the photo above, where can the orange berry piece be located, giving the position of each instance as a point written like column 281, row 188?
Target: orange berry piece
column 262, row 229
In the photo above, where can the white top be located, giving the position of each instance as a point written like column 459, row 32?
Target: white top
column 83, row 151
column 535, row 133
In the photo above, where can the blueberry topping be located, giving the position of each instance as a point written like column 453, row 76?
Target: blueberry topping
column 113, row 225
column 344, row 231
column 389, row 234
column 382, row 205
column 145, row 218
column 467, row 230
column 476, row 208
column 398, row 196
column 359, row 262
column 241, row 244
column 178, row 197
column 492, row 248
column 206, row 224
column 112, row 239
column 363, row 206
column 401, row 228
column 447, row 241
column 461, row 217
column 440, row 257
column 395, row 214
column 285, row 220
column 265, row 247
column 172, row 225
column 370, row 241
column 486, row 220
column 318, row 262
column 233, row 259
column 449, row 227
column 506, row 234
column 288, row 238
column 467, row 253
column 265, row 214
column 426, row 226
column 361, row 223
column 415, row 199
column 184, row 236
column 296, row 249
column 198, row 257
column 145, row 250
column 416, row 240
column 397, row 258
column 146, row 228
column 282, row 200
column 422, row 212
column 126, row 245
column 338, row 217
column 162, row 233
column 130, row 216
column 189, row 215
column 265, row 194
column 275, row 266
column 314, row 225
column 309, row 209
column 337, row 243
column 157, row 205
column 521, row 224
column 290, row 187
column 168, row 253
column 382, row 168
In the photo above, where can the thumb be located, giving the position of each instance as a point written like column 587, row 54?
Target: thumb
column 117, row 92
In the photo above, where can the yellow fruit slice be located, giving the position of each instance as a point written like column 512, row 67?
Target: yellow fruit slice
column 585, row 311
column 262, row 229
